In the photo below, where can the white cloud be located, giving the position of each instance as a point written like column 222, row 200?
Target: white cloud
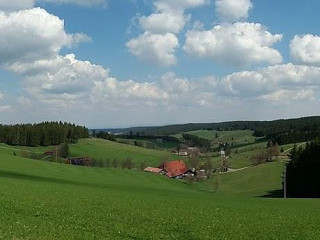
column 33, row 34
column 5, row 108
column 157, row 48
column 63, row 80
column 165, row 22
column 116, row 93
column 169, row 5
column 1, row 95
column 158, row 42
column 273, row 83
column 286, row 95
column 233, row 10
column 14, row 5
column 238, row 44
column 306, row 49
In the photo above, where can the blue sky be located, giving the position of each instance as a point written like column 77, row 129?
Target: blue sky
column 115, row 63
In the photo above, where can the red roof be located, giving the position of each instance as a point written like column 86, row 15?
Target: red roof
column 175, row 168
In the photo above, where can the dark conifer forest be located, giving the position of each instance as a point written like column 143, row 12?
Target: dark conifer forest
column 302, row 175
column 41, row 134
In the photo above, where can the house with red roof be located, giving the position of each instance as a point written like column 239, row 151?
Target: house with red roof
column 175, row 169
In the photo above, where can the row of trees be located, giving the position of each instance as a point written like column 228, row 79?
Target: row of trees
column 42, row 134
column 195, row 141
column 303, row 171
column 103, row 135
column 127, row 163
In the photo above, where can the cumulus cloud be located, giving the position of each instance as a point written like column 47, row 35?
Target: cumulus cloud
column 63, row 80
column 294, row 82
column 233, row 10
column 169, row 5
column 157, row 48
column 165, row 22
column 286, row 95
column 33, row 34
column 238, row 44
column 30, row 44
column 158, row 42
column 306, row 49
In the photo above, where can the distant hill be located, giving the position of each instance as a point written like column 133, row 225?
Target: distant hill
column 260, row 128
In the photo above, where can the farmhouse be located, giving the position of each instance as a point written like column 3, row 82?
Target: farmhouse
column 175, row 169
column 185, row 152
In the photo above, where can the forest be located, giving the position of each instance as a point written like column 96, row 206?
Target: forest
column 41, row 134
column 302, row 172
column 283, row 131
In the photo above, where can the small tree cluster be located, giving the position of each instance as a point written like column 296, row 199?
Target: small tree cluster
column 269, row 154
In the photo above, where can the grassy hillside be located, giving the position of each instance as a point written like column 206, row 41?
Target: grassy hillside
column 237, row 136
column 103, row 149
column 42, row 200
column 260, row 180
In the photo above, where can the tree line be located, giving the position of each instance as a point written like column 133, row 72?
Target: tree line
column 41, row 134
column 195, row 141
column 266, row 129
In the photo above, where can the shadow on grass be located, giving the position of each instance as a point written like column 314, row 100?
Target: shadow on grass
column 110, row 186
column 22, row 176
column 273, row 194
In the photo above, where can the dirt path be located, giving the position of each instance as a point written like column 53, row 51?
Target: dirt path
column 231, row 170
column 292, row 148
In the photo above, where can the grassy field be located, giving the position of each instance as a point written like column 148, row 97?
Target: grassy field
column 153, row 144
column 102, row 149
column 239, row 137
column 43, row 200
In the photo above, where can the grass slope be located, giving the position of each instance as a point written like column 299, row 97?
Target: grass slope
column 42, row 200
column 237, row 136
column 103, row 149
column 260, row 180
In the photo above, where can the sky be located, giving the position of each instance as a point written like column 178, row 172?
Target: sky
column 121, row 63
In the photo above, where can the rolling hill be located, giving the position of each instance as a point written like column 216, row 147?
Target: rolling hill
column 46, row 200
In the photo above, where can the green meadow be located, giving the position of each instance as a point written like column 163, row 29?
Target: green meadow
column 236, row 136
column 103, row 149
column 100, row 149
column 45, row 200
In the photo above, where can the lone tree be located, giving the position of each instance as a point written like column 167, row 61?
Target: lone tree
column 194, row 159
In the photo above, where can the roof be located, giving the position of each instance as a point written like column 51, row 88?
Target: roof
column 175, row 168
column 153, row 170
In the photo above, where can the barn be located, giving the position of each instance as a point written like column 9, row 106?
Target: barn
column 175, row 169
